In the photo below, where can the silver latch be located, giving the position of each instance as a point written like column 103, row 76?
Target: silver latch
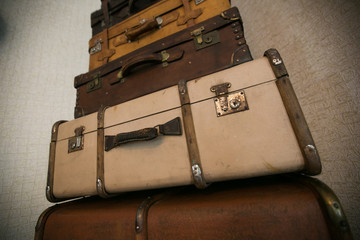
column 76, row 143
column 96, row 48
column 198, row 1
column 227, row 103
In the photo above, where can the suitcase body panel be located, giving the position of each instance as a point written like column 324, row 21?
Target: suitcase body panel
column 230, row 51
column 257, row 135
column 256, row 140
column 276, row 207
column 75, row 173
column 162, row 162
column 115, row 44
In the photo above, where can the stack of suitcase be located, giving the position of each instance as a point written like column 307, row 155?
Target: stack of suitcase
column 174, row 99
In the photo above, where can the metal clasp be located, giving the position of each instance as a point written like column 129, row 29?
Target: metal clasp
column 197, row 33
column 96, row 48
column 227, row 103
column 205, row 40
column 164, row 57
column 94, row 84
column 76, row 143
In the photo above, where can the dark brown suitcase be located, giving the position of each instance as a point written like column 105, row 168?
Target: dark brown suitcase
column 115, row 11
column 210, row 46
column 275, row 207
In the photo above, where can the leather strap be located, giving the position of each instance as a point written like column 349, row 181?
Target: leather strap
column 105, row 9
column 190, row 15
column 189, row 129
column 105, row 53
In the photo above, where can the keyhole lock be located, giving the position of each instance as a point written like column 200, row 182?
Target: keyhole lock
column 234, row 103
column 208, row 39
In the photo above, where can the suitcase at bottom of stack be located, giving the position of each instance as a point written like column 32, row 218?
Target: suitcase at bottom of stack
column 273, row 207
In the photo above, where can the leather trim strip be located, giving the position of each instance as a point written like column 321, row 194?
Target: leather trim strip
column 51, row 167
column 100, row 179
column 296, row 116
column 189, row 128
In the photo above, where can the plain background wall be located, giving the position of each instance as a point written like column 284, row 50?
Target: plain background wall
column 43, row 45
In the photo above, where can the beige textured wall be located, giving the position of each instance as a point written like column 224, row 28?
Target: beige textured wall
column 319, row 42
column 43, row 45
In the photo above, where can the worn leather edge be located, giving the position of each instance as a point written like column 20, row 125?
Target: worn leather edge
column 241, row 55
column 51, row 166
column 296, row 116
column 40, row 224
column 211, row 24
column 142, row 215
column 331, row 206
column 189, row 128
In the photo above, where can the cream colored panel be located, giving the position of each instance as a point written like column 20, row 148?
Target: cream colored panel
column 241, row 76
column 259, row 141
column 160, row 162
column 75, row 173
column 67, row 129
column 149, row 104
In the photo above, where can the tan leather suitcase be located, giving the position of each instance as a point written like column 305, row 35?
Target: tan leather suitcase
column 115, row 11
column 241, row 122
column 149, row 25
column 272, row 208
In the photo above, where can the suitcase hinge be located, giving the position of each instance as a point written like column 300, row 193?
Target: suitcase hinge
column 94, row 84
column 76, row 143
column 226, row 103
column 205, row 40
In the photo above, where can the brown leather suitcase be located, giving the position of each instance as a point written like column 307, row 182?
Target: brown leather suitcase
column 159, row 20
column 277, row 207
column 115, row 11
column 213, row 45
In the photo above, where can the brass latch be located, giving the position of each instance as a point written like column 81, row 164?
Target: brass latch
column 205, row 40
column 197, row 33
column 76, row 143
column 94, row 84
column 164, row 57
column 227, row 103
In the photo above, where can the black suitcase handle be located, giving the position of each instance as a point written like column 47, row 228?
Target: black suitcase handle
column 173, row 128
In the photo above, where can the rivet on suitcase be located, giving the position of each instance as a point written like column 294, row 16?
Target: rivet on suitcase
column 241, row 122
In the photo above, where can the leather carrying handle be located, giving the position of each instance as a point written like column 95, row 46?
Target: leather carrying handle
column 144, row 27
column 137, row 61
column 162, row 57
column 173, row 128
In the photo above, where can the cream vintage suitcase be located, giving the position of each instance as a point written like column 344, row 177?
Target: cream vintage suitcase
column 159, row 20
column 241, row 122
